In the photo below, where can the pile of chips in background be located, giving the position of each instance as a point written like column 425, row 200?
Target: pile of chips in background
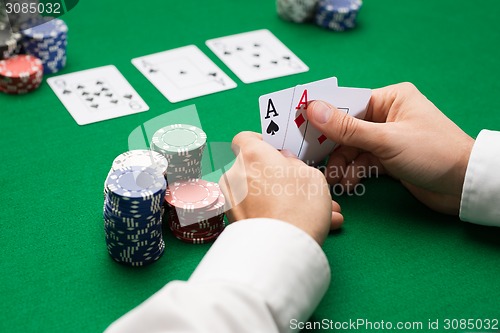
column 20, row 74
column 146, row 188
column 336, row 15
column 18, row 16
column 10, row 43
column 28, row 34
column 46, row 38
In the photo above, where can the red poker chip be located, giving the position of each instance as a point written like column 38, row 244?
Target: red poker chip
column 196, row 223
column 20, row 66
column 217, row 209
column 199, row 240
column 195, row 230
column 192, row 235
column 192, row 196
column 20, row 74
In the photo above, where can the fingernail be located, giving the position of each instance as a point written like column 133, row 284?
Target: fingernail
column 321, row 112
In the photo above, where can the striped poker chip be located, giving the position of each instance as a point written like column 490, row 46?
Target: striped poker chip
column 182, row 145
column 192, row 195
column 132, row 214
column 43, row 28
column 199, row 240
column 297, row 11
column 178, row 139
column 187, row 217
column 9, row 42
column 194, row 235
column 20, row 74
column 20, row 66
column 46, row 38
column 141, row 158
column 337, row 15
column 135, row 182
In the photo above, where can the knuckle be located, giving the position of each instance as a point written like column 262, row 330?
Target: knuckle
column 408, row 88
column 238, row 139
column 317, row 174
column 348, row 127
column 252, row 152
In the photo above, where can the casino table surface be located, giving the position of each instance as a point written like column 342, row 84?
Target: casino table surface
column 394, row 259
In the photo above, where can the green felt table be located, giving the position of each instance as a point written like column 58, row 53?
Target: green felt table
column 394, row 260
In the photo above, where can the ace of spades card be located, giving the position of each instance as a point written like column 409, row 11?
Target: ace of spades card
column 256, row 56
column 274, row 108
column 183, row 73
column 97, row 94
column 274, row 113
column 303, row 139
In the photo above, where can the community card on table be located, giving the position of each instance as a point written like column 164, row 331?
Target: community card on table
column 183, row 73
column 256, row 56
column 97, row 94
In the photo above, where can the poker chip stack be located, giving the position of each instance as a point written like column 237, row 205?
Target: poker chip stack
column 20, row 74
column 47, row 39
column 19, row 17
column 133, row 209
column 182, row 145
column 298, row 11
column 336, row 15
column 4, row 18
column 9, row 43
column 196, row 213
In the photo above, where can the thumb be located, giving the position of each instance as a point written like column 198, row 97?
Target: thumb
column 342, row 128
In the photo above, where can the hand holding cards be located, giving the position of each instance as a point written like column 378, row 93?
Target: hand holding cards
column 285, row 124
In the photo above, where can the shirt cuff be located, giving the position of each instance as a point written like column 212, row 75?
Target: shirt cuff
column 481, row 191
column 277, row 260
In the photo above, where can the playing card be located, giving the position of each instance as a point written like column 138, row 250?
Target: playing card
column 256, row 56
column 274, row 109
column 183, row 73
column 303, row 139
column 97, row 94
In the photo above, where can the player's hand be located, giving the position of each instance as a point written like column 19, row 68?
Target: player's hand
column 266, row 183
column 405, row 136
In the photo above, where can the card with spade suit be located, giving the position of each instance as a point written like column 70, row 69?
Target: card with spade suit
column 183, row 73
column 256, row 56
column 97, row 94
column 274, row 113
column 300, row 137
column 274, row 110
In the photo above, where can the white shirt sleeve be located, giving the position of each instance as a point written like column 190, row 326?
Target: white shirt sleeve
column 257, row 277
column 480, row 202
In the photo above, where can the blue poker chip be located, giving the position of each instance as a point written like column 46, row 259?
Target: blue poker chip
column 149, row 234
column 120, row 212
column 135, row 182
column 132, row 246
column 42, row 28
column 132, row 214
column 46, row 38
column 337, row 15
column 142, row 255
column 146, row 203
column 127, row 224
